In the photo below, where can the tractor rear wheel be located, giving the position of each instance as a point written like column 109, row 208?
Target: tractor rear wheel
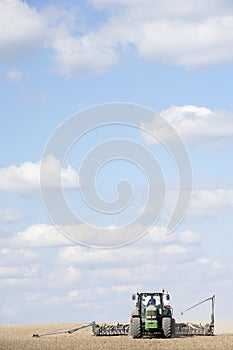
column 167, row 327
column 135, row 328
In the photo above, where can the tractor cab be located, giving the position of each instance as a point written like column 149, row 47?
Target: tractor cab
column 150, row 314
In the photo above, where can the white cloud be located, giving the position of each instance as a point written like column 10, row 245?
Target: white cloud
column 197, row 125
column 89, row 257
column 25, row 29
column 187, row 43
column 210, row 204
column 9, row 272
column 71, row 274
column 22, row 29
column 143, row 250
column 205, row 205
column 43, row 235
column 200, row 124
column 53, row 173
column 39, row 235
column 160, row 236
column 189, row 237
column 10, row 215
column 173, row 249
column 159, row 36
column 90, row 276
column 25, row 178
column 85, row 55
column 187, row 34
column 21, row 255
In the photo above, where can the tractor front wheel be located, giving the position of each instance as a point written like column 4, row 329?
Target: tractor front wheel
column 167, row 327
column 135, row 328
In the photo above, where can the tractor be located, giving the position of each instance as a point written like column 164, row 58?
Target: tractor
column 152, row 315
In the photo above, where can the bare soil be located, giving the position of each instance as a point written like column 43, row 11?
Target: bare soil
column 19, row 337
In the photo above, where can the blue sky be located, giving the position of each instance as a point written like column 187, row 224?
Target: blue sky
column 58, row 58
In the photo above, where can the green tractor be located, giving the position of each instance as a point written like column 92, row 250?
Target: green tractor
column 152, row 315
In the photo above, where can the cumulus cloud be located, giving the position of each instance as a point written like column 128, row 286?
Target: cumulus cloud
column 160, row 236
column 205, row 205
column 188, row 44
column 90, row 275
column 25, row 178
column 83, row 55
column 189, row 237
column 21, row 255
column 39, row 235
column 44, row 235
column 173, row 249
column 90, row 236
column 14, row 272
column 186, row 34
column 144, row 250
column 23, row 29
column 90, row 257
column 197, row 125
column 157, row 32
column 55, row 176
column 210, row 204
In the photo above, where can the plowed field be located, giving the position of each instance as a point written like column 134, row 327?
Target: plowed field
column 19, row 337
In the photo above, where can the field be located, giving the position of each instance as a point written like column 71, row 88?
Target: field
column 19, row 337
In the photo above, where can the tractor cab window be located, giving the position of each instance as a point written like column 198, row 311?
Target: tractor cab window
column 150, row 299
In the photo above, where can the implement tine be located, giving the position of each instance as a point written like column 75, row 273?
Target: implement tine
column 111, row 330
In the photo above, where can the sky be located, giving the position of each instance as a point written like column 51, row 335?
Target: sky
column 59, row 59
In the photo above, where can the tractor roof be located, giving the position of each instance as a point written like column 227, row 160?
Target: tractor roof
column 150, row 293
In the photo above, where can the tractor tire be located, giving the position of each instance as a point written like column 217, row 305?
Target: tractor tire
column 173, row 327
column 167, row 327
column 135, row 328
